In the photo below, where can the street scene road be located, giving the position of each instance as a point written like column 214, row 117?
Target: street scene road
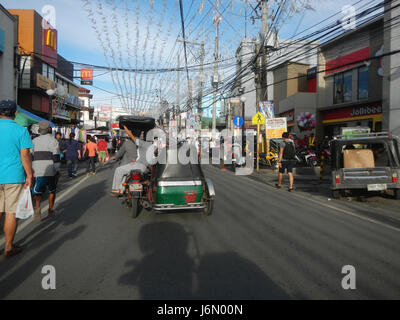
column 260, row 243
column 198, row 150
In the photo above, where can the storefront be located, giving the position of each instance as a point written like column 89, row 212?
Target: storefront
column 365, row 115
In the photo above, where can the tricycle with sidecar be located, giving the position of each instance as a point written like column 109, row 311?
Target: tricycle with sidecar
column 168, row 185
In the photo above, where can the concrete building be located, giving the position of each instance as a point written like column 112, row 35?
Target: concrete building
column 42, row 69
column 280, row 52
column 8, row 56
column 87, row 111
column 391, row 69
column 350, row 80
column 295, row 95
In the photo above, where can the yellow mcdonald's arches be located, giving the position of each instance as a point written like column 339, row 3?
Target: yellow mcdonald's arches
column 86, row 74
column 51, row 40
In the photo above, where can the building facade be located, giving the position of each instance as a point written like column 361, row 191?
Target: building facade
column 391, row 68
column 350, row 80
column 43, row 69
column 248, row 84
column 8, row 56
column 87, row 112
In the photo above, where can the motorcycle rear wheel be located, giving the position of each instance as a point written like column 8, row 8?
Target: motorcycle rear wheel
column 136, row 208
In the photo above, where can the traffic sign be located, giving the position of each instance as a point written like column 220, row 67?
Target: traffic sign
column 238, row 121
column 258, row 119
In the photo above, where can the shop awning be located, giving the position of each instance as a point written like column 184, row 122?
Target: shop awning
column 25, row 118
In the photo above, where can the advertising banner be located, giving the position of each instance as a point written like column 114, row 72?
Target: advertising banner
column 105, row 109
column 267, row 109
column 275, row 128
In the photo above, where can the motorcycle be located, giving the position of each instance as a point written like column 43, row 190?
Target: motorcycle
column 306, row 157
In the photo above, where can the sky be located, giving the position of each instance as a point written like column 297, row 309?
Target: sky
column 143, row 33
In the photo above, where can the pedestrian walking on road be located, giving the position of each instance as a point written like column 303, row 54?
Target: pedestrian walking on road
column 286, row 160
column 72, row 155
column 61, row 148
column 92, row 151
column 46, row 154
column 103, row 151
column 15, row 170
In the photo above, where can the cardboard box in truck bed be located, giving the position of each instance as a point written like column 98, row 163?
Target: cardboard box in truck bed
column 358, row 158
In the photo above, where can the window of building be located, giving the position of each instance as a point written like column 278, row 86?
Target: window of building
column 45, row 70
column 51, row 73
column 347, row 86
column 343, row 87
column 363, row 83
column 25, row 68
column 338, row 88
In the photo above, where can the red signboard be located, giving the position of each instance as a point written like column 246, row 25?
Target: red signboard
column 353, row 112
column 346, row 61
column 86, row 76
column 49, row 47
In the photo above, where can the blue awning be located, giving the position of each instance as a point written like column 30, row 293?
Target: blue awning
column 26, row 118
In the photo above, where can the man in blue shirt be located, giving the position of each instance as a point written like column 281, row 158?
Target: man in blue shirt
column 15, row 170
column 72, row 155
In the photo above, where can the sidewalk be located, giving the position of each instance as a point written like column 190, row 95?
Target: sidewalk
column 305, row 180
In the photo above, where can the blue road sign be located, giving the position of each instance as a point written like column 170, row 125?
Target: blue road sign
column 238, row 121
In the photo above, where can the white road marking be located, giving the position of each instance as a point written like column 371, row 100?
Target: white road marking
column 337, row 209
column 27, row 222
column 348, row 212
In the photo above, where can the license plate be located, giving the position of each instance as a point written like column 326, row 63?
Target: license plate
column 377, row 187
column 135, row 187
column 190, row 196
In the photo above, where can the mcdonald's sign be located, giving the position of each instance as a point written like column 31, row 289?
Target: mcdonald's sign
column 87, row 77
column 51, row 39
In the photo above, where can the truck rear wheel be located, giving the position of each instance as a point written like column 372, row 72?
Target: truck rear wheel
column 396, row 194
column 336, row 194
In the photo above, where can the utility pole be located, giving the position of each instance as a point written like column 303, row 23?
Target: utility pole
column 178, row 88
column 217, row 21
column 200, row 96
column 262, row 92
column 264, row 42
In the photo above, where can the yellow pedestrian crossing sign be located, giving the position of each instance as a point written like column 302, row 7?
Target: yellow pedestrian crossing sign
column 258, row 119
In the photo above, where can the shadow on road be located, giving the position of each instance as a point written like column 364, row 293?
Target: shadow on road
column 42, row 236
column 68, row 212
column 33, row 265
column 168, row 272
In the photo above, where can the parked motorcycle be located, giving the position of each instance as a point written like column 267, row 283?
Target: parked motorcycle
column 306, row 157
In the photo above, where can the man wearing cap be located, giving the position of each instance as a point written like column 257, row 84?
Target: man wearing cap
column 15, row 170
column 46, row 153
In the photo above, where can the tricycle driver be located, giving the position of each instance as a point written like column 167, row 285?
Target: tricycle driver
column 139, row 164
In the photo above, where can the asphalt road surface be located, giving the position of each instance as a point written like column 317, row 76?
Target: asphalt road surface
column 260, row 243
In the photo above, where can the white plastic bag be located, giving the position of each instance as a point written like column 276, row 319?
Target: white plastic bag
column 25, row 206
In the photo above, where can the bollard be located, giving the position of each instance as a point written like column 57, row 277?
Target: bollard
column 321, row 171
